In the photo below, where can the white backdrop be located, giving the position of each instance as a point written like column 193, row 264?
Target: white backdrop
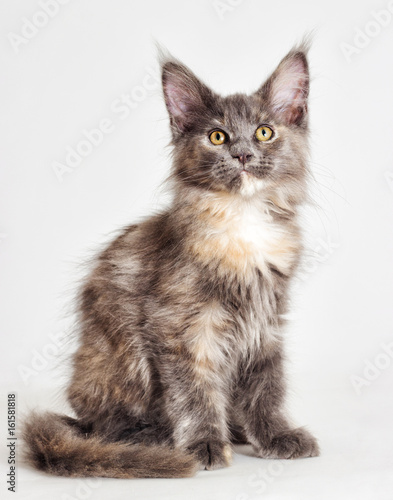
column 69, row 68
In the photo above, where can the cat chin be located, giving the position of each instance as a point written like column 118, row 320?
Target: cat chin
column 250, row 185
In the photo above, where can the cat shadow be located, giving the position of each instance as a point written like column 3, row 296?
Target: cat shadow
column 244, row 449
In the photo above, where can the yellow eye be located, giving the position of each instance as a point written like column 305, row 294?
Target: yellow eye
column 263, row 134
column 217, row 137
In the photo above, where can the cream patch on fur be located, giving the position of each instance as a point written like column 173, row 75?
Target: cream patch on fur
column 227, row 451
column 206, row 340
column 181, row 431
column 139, row 366
column 241, row 234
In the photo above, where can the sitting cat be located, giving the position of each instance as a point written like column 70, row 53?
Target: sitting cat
column 180, row 349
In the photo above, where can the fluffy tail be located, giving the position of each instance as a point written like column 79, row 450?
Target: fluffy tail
column 55, row 445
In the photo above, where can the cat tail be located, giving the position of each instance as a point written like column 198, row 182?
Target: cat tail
column 55, row 444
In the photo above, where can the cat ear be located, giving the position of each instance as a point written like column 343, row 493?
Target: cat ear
column 186, row 97
column 286, row 91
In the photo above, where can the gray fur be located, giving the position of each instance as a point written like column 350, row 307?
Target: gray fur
column 180, row 320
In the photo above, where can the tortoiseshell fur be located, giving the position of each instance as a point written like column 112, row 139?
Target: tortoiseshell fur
column 180, row 349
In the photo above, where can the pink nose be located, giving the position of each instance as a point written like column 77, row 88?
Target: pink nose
column 243, row 158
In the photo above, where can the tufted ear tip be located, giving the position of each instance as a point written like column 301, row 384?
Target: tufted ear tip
column 286, row 91
column 185, row 95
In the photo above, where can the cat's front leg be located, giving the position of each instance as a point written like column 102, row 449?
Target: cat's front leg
column 212, row 453
column 259, row 398
column 196, row 404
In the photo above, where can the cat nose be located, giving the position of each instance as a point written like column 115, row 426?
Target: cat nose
column 243, row 157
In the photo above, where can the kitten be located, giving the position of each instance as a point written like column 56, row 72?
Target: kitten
column 180, row 349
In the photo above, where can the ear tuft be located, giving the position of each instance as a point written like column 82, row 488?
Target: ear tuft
column 185, row 95
column 286, row 91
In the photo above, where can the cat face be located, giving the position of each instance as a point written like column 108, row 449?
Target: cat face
column 242, row 144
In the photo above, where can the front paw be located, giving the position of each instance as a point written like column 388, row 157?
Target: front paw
column 296, row 443
column 212, row 454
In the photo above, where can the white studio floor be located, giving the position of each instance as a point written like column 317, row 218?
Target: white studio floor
column 355, row 434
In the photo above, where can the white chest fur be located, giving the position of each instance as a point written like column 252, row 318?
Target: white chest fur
column 241, row 234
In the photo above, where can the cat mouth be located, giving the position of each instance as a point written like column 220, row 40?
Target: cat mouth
column 245, row 172
column 258, row 172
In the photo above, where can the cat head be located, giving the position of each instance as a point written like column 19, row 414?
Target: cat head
column 243, row 144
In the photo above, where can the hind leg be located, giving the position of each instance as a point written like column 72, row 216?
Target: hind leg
column 111, row 391
column 148, row 434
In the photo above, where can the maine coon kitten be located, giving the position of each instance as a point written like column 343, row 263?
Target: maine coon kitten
column 180, row 349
